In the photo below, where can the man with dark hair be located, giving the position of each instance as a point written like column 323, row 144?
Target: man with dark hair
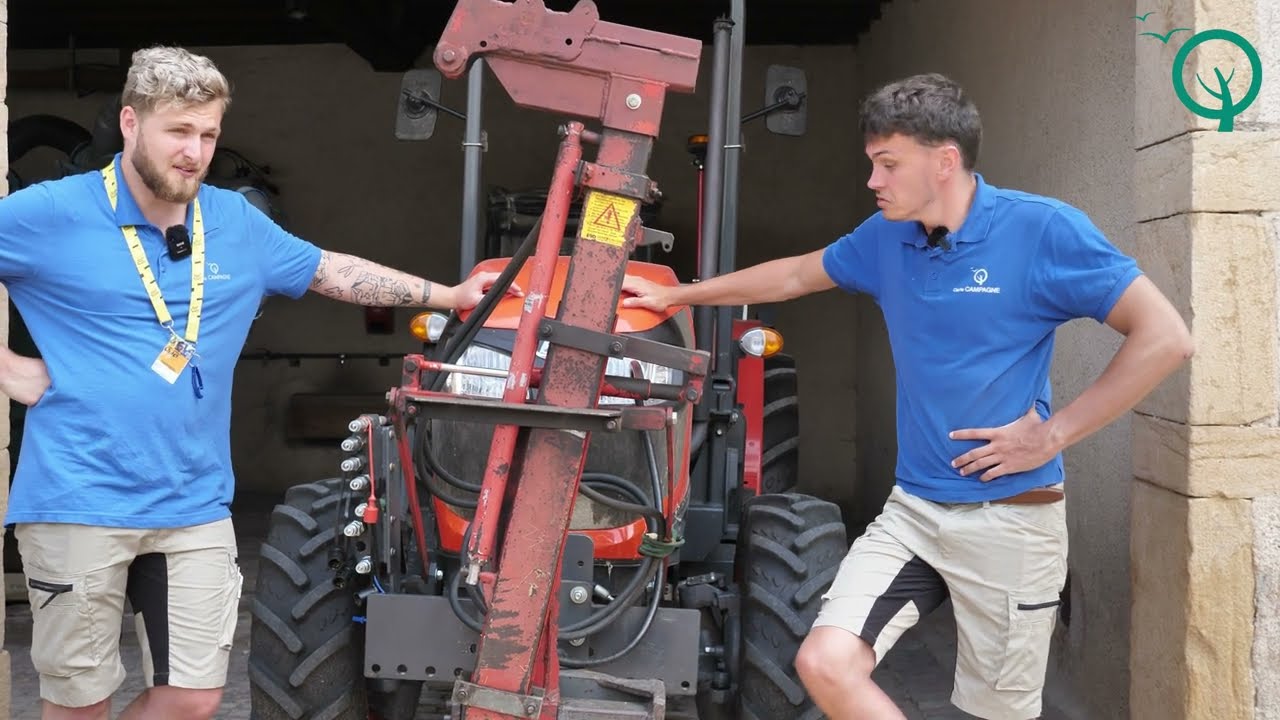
column 973, row 281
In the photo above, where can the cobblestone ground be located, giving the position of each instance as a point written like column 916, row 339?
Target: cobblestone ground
column 911, row 674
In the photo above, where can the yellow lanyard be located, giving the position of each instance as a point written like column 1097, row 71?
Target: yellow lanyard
column 144, row 268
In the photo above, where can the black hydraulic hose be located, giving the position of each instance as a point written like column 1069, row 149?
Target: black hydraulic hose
column 451, row 348
column 655, row 483
column 590, row 625
column 644, row 630
column 600, row 619
column 430, row 459
column 648, row 513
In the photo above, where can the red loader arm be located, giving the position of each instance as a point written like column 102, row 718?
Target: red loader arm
column 575, row 64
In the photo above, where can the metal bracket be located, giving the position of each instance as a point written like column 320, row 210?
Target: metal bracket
column 653, row 692
column 493, row 412
column 694, row 362
column 467, row 694
column 649, row 236
column 617, row 181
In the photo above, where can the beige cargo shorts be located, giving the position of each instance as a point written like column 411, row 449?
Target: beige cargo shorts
column 183, row 585
column 1003, row 566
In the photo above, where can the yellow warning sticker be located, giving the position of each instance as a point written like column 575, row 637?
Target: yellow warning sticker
column 606, row 217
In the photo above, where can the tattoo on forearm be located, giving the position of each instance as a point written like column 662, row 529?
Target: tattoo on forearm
column 322, row 272
column 352, row 279
column 380, row 290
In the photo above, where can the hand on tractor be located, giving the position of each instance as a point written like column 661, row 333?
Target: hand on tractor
column 23, row 379
column 1024, row 444
column 468, row 293
column 645, row 294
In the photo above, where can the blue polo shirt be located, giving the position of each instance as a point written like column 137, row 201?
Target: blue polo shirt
column 111, row 442
column 972, row 327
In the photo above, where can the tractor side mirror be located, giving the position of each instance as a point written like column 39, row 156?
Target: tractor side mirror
column 416, row 108
column 785, row 91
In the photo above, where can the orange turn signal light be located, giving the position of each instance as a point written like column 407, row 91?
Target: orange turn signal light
column 761, row 342
column 428, row 326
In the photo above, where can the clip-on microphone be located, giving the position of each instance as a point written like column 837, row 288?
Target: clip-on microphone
column 178, row 240
column 936, row 238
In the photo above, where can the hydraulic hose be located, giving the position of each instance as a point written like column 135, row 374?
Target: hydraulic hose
column 648, row 569
column 456, row 339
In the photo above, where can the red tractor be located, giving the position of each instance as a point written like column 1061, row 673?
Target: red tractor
column 567, row 510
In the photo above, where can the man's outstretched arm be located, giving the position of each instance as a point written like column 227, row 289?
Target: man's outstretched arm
column 363, row 282
column 774, row 281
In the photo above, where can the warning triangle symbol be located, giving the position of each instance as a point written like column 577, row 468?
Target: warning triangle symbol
column 608, row 218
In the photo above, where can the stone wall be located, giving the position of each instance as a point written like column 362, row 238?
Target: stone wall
column 1206, row 508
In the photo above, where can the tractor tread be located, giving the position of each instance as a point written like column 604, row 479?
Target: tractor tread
column 322, row 540
column 313, row 597
column 305, row 521
column 762, row 661
column 305, row 654
column 779, row 372
column 772, row 455
column 790, row 545
column 264, row 683
column 781, row 404
column 291, row 569
column 780, row 554
column 263, row 614
column 309, row 664
column 780, row 435
column 780, row 608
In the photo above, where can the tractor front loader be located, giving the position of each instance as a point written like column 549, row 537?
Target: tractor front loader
column 559, row 514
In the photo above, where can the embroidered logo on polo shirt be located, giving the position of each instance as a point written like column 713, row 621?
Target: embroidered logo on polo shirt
column 215, row 273
column 980, row 277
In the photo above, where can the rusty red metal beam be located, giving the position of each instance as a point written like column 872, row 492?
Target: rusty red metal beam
column 571, row 63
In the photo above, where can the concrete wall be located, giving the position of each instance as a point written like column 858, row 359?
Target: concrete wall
column 1054, row 86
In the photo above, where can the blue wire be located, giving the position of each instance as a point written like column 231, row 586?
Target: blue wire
column 378, row 585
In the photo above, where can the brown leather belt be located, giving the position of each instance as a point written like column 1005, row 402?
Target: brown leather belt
column 1034, row 496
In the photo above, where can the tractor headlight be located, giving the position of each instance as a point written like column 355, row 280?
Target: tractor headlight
column 479, row 356
column 428, row 326
column 761, row 342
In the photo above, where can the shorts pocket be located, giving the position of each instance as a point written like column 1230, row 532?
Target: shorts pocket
column 64, row 638
column 1026, row 650
column 230, row 603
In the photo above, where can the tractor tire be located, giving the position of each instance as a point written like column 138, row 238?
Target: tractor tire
column 305, row 653
column 780, row 453
column 789, row 549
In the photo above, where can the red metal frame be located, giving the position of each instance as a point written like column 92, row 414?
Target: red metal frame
column 751, row 398
column 570, row 63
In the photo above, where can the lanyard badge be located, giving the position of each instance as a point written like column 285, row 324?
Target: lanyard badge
column 178, row 352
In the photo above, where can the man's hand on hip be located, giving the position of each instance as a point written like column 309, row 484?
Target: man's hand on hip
column 1024, row 444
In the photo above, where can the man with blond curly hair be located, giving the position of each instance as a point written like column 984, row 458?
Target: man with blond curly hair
column 124, row 481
